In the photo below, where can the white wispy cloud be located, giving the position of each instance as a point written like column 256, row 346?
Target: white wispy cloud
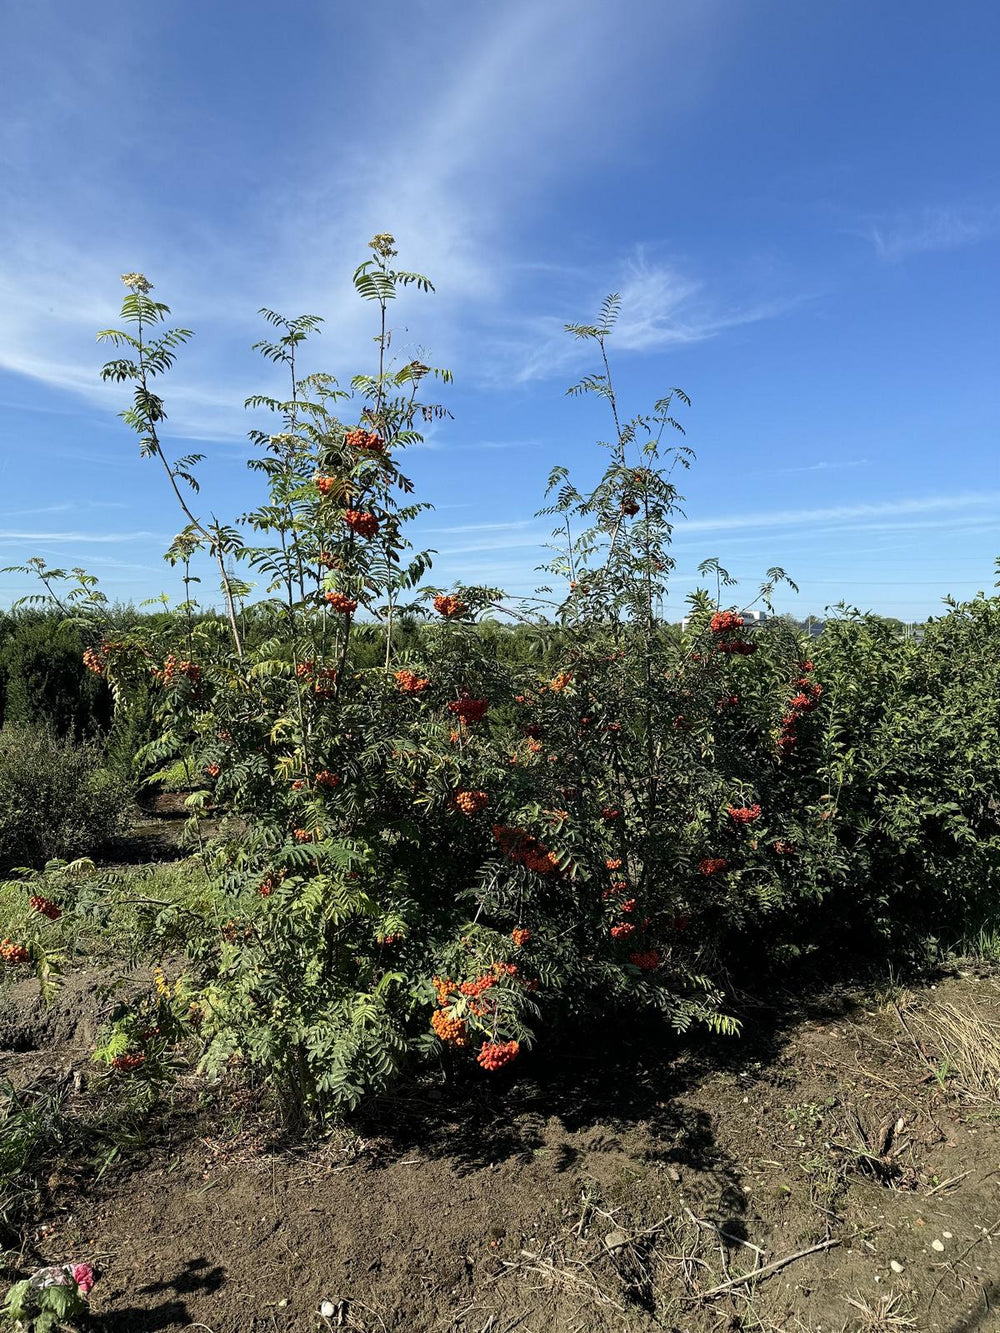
column 662, row 305
column 862, row 514
column 64, row 507
column 10, row 535
column 511, row 525
column 827, row 465
column 494, row 116
column 928, row 229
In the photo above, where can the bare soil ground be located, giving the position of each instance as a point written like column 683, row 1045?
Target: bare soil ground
column 631, row 1184
column 836, row 1169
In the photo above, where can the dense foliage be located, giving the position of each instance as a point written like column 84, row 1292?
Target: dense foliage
column 56, row 798
column 43, row 681
column 431, row 845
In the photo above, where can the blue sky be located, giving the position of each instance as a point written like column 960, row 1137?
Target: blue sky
column 799, row 204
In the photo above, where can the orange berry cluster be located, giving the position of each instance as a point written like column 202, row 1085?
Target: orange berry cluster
column 712, row 865
column 46, row 907
column 13, row 953
column 647, row 959
column 346, row 605
column 268, row 885
column 324, row 778
column 610, row 813
column 724, row 622
column 212, row 770
column 469, row 710
column 613, row 863
column 471, row 802
column 410, row 683
column 803, row 702
column 172, row 667
column 364, row 439
column 449, row 1028
column 325, row 484
column 305, row 669
column 126, row 1063
column 364, row 523
column 494, row 1055
column 520, row 936
column 93, row 661
column 444, row 988
column 302, row 835
column 526, row 850
column 623, row 930
column 743, row 814
column 729, row 623
column 474, row 990
column 449, row 606
column 561, row 681
column 324, row 686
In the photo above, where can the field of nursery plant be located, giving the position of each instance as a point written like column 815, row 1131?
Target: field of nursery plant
column 383, row 956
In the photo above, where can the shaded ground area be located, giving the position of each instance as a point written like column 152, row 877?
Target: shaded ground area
column 155, row 832
column 620, row 1183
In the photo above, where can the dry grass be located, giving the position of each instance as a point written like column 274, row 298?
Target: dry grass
column 886, row 1316
column 968, row 1040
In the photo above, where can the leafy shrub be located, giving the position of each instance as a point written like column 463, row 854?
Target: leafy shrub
column 56, row 799
column 441, row 836
column 910, row 754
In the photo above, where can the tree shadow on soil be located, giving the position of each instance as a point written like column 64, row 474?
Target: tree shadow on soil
column 602, row 1084
column 195, row 1278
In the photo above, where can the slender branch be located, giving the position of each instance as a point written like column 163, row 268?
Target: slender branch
column 759, row 1274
